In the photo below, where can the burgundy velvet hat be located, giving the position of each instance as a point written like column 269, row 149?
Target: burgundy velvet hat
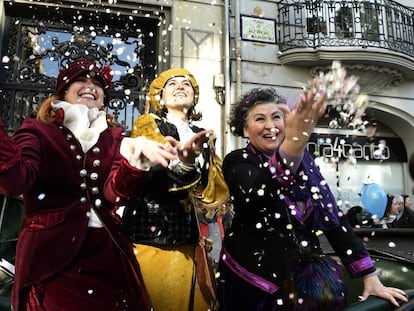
column 84, row 67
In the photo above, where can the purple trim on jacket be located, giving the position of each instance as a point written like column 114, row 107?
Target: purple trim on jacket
column 246, row 275
column 307, row 183
column 301, row 217
column 356, row 267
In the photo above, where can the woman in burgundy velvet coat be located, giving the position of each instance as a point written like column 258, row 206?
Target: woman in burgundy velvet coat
column 71, row 254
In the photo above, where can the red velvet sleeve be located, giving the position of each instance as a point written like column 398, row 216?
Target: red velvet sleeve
column 9, row 152
column 123, row 181
column 18, row 172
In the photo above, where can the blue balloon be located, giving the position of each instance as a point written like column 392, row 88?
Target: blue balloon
column 374, row 199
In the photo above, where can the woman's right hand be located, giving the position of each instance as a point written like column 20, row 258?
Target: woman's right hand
column 144, row 153
column 301, row 121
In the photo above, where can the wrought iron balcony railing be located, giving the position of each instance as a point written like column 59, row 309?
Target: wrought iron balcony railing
column 317, row 24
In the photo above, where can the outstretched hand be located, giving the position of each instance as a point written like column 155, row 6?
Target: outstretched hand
column 373, row 286
column 144, row 153
column 188, row 151
column 301, row 121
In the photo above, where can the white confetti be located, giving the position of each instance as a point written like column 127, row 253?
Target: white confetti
column 391, row 244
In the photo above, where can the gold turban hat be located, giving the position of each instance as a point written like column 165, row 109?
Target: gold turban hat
column 157, row 85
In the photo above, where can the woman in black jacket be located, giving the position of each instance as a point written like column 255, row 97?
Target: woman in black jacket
column 281, row 205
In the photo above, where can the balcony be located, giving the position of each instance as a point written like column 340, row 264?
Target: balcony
column 373, row 38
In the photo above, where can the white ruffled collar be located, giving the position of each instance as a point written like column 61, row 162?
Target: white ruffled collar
column 85, row 124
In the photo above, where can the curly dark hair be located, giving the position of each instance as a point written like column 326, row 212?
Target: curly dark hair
column 240, row 111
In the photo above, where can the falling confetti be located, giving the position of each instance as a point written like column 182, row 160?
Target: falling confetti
column 343, row 95
column 391, row 244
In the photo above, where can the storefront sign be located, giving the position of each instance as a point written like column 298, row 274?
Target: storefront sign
column 358, row 147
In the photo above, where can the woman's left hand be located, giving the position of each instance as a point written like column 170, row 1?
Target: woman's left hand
column 187, row 152
column 143, row 153
column 373, row 286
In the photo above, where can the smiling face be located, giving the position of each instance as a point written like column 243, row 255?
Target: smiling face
column 395, row 207
column 178, row 95
column 85, row 91
column 265, row 127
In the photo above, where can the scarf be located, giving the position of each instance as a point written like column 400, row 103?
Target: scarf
column 86, row 124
